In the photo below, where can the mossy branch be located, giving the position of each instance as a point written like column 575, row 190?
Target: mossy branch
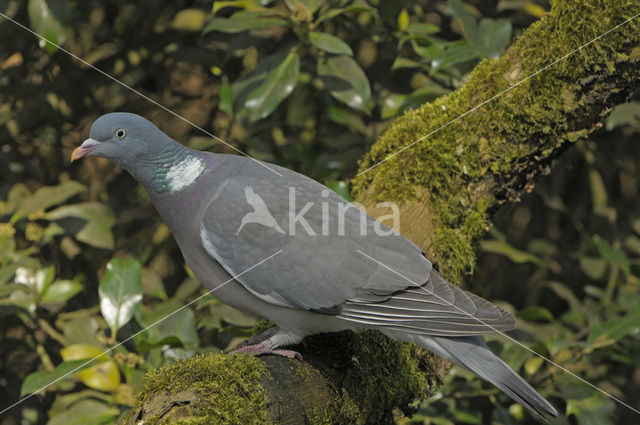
column 450, row 182
column 448, row 185
column 345, row 379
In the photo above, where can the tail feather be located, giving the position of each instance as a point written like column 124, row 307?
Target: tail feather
column 473, row 354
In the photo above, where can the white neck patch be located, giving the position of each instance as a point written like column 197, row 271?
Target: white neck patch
column 184, row 173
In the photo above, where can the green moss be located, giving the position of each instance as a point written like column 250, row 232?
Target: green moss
column 371, row 375
column 205, row 389
column 489, row 155
column 262, row 326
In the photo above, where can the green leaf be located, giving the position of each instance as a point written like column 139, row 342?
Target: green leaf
column 341, row 188
column 454, row 54
column 611, row 254
column 594, row 267
column 397, row 103
column 191, row 19
column 610, row 331
column 7, row 271
column 542, row 247
column 225, row 100
column 120, row 291
column 593, row 410
column 86, row 412
column 533, row 364
column 51, row 231
column 61, row 291
column 50, row 19
column 144, row 344
column 98, row 217
column 37, row 380
column 152, row 284
column 48, row 196
column 245, row 20
column 279, row 84
column 242, row 87
column 231, row 316
column 82, row 329
column 333, row 12
column 635, row 225
column 468, row 21
column 347, row 117
column 515, row 356
column 242, row 4
column 403, row 20
column 346, row 81
column 401, row 62
column 179, row 322
column 495, row 36
column 627, row 114
column 503, row 248
column 103, row 376
column 598, row 192
column 632, row 243
column 310, row 5
column 536, row 313
column 422, row 30
column 393, row 105
column 330, row 43
column 465, row 417
column 594, row 291
column 63, row 402
column 11, row 310
column 187, row 288
column 44, row 277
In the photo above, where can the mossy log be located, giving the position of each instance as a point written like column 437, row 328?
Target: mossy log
column 447, row 185
column 344, row 379
column 450, row 182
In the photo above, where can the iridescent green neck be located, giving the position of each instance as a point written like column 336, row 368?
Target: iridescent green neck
column 173, row 169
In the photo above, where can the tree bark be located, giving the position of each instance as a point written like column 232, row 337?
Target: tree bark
column 448, row 184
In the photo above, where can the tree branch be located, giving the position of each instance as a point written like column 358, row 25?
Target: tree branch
column 450, row 182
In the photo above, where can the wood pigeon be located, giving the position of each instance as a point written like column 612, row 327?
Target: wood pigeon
column 294, row 252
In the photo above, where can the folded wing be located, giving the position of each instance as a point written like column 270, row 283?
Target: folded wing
column 436, row 308
column 325, row 270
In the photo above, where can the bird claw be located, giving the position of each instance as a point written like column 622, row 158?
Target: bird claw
column 263, row 344
column 290, row 354
column 262, row 348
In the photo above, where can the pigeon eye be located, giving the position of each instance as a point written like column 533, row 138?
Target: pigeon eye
column 120, row 133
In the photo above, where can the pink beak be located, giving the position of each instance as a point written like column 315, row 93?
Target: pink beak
column 84, row 149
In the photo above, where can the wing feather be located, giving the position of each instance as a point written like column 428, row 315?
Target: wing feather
column 314, row 271
column 327, row 273
column 446, row 310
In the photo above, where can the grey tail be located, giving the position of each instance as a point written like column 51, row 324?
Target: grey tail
column 473, row 354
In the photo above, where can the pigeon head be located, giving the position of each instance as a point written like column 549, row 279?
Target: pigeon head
column 123, row 138
column 154, row 159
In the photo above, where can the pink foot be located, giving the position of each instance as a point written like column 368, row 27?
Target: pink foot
column 266, row 343
column 262, row 348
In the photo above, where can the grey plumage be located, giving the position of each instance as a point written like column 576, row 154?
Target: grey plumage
column 473, row 354
column 320, row 282
column 451, row 312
